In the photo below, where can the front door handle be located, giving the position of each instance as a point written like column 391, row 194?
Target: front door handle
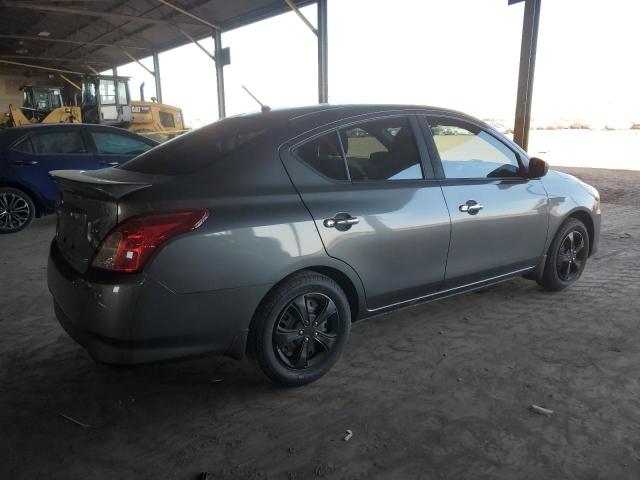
column 471, row 207
column 341, row 221
column 111, row 164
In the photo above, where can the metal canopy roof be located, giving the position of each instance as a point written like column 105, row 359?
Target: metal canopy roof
column 85, row 35
column 100, row 33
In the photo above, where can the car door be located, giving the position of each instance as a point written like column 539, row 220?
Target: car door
column 113, row 147
column 499, row 217
column 34, row 155
column 375, row 203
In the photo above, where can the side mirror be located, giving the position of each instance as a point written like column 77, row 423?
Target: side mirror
column 537, row 168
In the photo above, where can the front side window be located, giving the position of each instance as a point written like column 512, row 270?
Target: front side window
column 107, row 92
column 378, row 150
column 58, row 142
column 114, row 144
column 467, row 151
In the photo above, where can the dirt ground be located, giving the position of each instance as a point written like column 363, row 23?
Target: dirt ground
column 440, row 390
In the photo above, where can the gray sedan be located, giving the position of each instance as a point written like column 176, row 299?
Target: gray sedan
column 269, row 234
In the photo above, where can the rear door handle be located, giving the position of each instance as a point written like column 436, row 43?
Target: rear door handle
column 471, row 207
column 111, row 164
column 341, row 221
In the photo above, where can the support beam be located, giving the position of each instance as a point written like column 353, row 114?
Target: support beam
column 217, row 38
column 297, row 11
column 323, row 62
column 189, row 14
column 199, row 45
column 528, row 48
column 134, row 59
column 156, row 70
column 66, row 79
column 37, row 67
column 121, row 17
column 48, row 59
column 72, row 42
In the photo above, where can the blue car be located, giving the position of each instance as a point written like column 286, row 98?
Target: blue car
column 29, row 153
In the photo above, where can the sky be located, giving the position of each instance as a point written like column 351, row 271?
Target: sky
column 460, row 54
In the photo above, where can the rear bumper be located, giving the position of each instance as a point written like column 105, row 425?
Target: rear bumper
column 128, row 320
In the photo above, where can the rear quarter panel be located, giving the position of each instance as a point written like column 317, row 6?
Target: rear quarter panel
column 258, row 230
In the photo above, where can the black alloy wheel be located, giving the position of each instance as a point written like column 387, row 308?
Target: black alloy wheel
column 300, row 328
column 16, row 210
column 567, row 256
column 571, row 256
column 306, row 330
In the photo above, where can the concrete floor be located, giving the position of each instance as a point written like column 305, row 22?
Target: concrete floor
column 440, row 390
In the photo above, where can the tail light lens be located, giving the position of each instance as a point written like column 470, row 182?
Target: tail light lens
column 129, row 245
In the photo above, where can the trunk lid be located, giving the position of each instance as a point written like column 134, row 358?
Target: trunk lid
column 88, row 209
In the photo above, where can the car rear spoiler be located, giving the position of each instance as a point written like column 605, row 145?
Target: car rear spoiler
column 90, row 184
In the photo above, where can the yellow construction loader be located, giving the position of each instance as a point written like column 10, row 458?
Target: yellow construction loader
column 104, row 100
column 40, row 105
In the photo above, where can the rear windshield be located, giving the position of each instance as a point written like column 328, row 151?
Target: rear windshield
column 196, row 150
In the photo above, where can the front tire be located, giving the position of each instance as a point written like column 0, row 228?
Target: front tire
column 567, row 256
column 16, row 210
column 300, row 329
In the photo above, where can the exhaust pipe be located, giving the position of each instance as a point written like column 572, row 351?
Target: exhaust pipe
column 142, row 91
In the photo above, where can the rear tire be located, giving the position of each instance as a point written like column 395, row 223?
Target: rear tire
column 300, row 329
column 17, row 210
column 567, row 256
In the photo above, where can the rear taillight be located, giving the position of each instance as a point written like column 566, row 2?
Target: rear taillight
column 129, row 245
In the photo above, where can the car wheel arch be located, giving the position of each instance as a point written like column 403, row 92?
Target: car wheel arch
column 355, row 298
column 40, row 209
column 353, row 291
column 585, row 218
column 348, row 281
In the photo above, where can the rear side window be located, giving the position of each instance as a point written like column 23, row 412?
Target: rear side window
column 58, row 142
column 379, row 150
column 23, row 146
column 196, row 150
column 382, row 150
column 108, row 143
column 324, row 155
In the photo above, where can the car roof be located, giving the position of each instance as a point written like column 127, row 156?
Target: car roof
column 288, row 123
column 347, row 110
column 8, row 135
column 70, row 126
column 300, row 118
